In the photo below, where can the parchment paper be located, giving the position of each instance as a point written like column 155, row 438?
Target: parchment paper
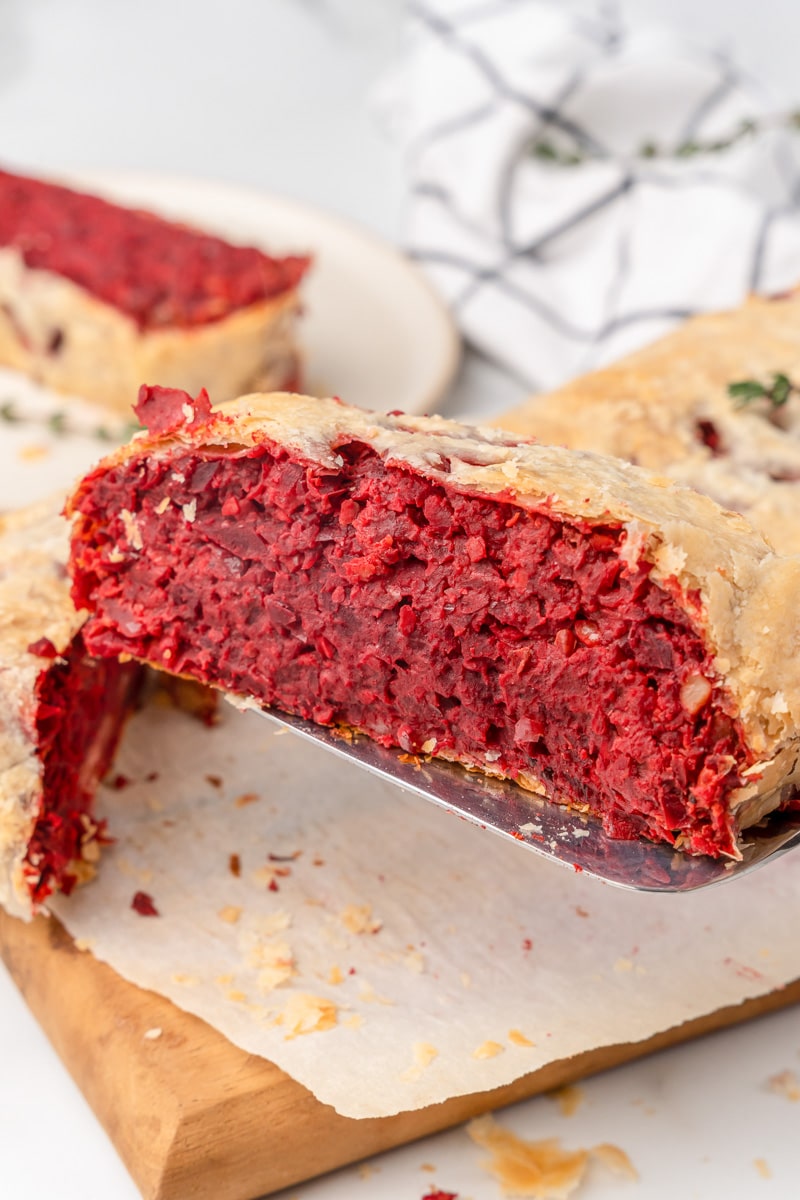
column 389, row 956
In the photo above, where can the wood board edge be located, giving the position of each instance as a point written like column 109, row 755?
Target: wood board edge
column 191, row 1114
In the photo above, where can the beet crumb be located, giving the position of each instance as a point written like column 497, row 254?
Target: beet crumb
column 708, row 434
column 118, row 782
column 235, row 865
column 142, row 903
column 440, row 1195
column 163, row 410
column 43, row 648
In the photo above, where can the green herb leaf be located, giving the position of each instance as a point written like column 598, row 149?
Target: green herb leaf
column 545, row 150
column 8, row 413
column 780, row 391
column 57, row 423
column 746, row 390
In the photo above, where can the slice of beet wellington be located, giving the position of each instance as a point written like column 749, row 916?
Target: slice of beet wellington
column 95, row 297
column 61, row 717
column 604, row 638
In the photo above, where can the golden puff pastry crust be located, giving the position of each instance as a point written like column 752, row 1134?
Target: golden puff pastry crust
column 667, row 407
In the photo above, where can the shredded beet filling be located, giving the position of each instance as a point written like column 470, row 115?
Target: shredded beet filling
column 81, row 705
column 372, row 597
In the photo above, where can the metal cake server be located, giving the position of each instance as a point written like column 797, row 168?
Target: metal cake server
column 561, row 834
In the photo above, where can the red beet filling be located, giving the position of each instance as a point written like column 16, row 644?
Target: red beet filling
column 82, row 703
column 371, row 597
column 158, row 272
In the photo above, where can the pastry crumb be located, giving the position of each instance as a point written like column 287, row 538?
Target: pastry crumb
column 414, row 961
column 34, row 452
column 358, row 918
column 245, row 799
column 763, row 1168
column 367, row 993
column 185, row 980
column 786, row 1084
column 615, row 1159
column 541, row 1169
column 466, row 979
column 230, row 914
column 335, row 975
column 623, row 964
column 272, row 960
column 83, row 943
column 569, row 1098
column 305, row 1014
column 518, row 1038
column 424, row 1054
column 271, row 923
column 488, row 1050
column 354, row 1022
column 140, row 874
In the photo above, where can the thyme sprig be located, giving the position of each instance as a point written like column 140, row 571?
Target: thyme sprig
column 776, row 393
column 748, row 127
column 59, row 424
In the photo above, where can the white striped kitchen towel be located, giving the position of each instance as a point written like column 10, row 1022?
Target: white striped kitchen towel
column 579, row 184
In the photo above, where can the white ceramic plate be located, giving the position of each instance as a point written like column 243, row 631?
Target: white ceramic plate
column 374, row 331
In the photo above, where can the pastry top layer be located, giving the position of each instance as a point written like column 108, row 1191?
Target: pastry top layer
column 34, row 604
column 738, row 589
column 159, row 273
column 667, row 408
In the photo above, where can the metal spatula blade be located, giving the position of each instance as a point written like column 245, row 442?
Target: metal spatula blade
column 561, row 834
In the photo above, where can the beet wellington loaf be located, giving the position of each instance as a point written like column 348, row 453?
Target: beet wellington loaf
column 601, row 636
column 61, row 716
column 96, row 298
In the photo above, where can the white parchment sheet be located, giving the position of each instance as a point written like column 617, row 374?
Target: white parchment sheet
column 384, row 953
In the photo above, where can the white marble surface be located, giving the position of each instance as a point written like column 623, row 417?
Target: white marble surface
column 273, row 93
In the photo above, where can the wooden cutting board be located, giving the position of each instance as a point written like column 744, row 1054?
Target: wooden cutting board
column 193, row 1116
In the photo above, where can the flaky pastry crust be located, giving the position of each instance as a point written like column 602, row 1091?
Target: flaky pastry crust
column 34, row 603
column 667, row 408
